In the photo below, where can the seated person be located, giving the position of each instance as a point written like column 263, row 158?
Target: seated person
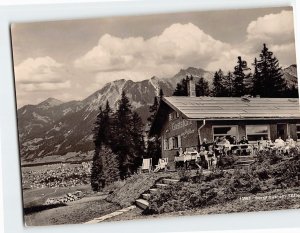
column 269, row 142
column 206, row 144
column 233, row 141
column 290, row 143
column 279, row 143
column 226, row 145
column 244, row 148
column 262, row 144
column 180, row 152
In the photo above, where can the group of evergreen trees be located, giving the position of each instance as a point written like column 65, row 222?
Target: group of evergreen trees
column 119, row 144
column 266, row 80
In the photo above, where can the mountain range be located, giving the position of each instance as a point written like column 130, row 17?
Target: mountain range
column 56, row 130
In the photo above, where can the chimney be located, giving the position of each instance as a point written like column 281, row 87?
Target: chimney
column 191, row 88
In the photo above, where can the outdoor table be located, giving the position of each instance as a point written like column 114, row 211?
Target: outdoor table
column 186, row 158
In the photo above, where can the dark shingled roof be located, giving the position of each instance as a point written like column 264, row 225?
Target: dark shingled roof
column 234, row 107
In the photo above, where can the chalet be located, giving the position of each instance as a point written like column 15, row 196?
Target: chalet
column 183, row 121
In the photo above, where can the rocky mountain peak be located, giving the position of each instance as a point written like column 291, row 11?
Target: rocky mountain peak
column 50, row 102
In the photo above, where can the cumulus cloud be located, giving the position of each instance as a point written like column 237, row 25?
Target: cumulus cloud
column 38, row 70
column 277, row 31
column 178, row 46
column 39, row 75
column 272, row 28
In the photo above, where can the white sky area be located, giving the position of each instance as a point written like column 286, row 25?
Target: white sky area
column 69, row 60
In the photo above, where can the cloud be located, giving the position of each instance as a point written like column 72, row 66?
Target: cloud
column 178, row 46
column 272, row 28
column 38, row 70
column 277, row 31
column 40, row 74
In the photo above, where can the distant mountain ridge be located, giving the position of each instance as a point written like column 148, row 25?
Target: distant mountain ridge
column 55, row 128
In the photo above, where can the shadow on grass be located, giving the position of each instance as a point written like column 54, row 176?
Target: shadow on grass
column 39, row 208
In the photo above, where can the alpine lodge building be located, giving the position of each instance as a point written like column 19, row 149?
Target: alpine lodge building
column 184, row 121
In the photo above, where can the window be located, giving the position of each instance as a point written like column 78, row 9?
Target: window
column 224, row 131
column 256, row 132
column 170, row 116
column 298, row 132
column 166, row 144
column 172, row 143
column 177, row 114
column 175, row 142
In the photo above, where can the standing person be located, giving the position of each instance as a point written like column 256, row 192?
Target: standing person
column 203, row 157
column 216, row 147
column 210, row 157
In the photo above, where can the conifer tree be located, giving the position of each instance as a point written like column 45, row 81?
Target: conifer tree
column 153, row 109
column 110, row 166
column 268, row 78
column 102, row 137
column 122, row 143
column 97, row 164
column 181, row 88
column 161, row 94
column 138, row 141
column 218, row 84
column 240, row 78
column 202, row 88
column 228, row 85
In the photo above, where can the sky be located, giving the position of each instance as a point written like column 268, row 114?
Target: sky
column 69, row 60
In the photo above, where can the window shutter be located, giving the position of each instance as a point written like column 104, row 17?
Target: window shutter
column 179, row 141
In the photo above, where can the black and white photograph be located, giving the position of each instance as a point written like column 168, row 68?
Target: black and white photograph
column 157, row 115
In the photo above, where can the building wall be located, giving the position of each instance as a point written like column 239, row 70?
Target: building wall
column 291, row 128
column 188, row 131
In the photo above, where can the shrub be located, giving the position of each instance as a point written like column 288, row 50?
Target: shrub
column 184, row 174
column 226, row 162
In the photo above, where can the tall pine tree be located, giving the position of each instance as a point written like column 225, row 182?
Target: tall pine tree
column 218, row 84
column 128, row 142
column 153, row 143
column 137, row 135
column 268, row 78
column 228, row 85
column 239, row 82
column 101, row 138
column 153, row 109
column 202, row 88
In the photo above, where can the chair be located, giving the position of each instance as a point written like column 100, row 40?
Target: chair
column 147, row 165
column 162, row 164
